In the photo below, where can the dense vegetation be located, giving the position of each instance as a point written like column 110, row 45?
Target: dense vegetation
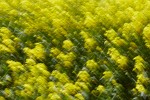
column 74, row 49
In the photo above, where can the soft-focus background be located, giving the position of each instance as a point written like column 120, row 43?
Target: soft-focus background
column 74, row 50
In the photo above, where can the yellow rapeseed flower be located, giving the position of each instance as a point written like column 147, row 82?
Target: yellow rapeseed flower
column 84, row 35
column 9, row 43
column 4, row 48
column 54, row 52
column 146, row 35
column 90, row 44
column 5, row 33
column 2, row 98
column 139, row 66
column 67, row 44
column 83, row 86
column 142, row 79
column 41, row 80
column 67, row 64
column 15, row 66
column 83, row 76
column 30, row 62
column 40, row 98
column 89, row 20
column 38, row 52
column 100, row 89
column 140, row 88
column 79, row 96
column 111, row 34
column 91, row 65
column 54, row 96
column 7, row 92
column 70, row 88
column 107, row 74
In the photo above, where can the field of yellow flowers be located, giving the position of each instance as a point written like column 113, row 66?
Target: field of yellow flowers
column 74, row 49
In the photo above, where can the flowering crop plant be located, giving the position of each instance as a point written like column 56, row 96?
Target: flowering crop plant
column 74, row 49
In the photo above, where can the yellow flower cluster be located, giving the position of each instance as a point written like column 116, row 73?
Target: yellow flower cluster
column 7, row 43
column 66, row 59
column 91, row 65
column 121, row 60
column 74, row 49
column 142, row 78
column 67, row 44
column 139, row 66
column 107, row 75
column 90, row 42
column 146, row 35
column 100, row 88
column 36, row 53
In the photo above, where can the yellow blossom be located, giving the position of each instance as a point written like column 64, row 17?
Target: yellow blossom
column 114, row 82
column 41, row 66
column 83, row 86
column 30, row 62
column 139, row 66
column 142, row 79
column 67, row 44
column 55, row 41
column 67, row 64
column 64, row 78
column 56, row 73
column 38, row 52
column 66, row 57
column 40, row 98
column 79, row 96
column 133, row 46
column 4, row 48
column 84, row 34
column 5, row 33
column 121, row 60
column 51, row 87
column 91, row 65
column 9, row 43
column 13, row 12
column 146, row 35
column 41, row 80
column 107, row 74
column 110, row 34
column 70, row 88
column 140, row 88
column 90, row 44
column 7, row 92
column 54, row 96
column 138, row 59
column 99, row 49
column 28, row 86
column 83, row 76
column 2, row 98
column 26, row 93
column 55, row 52
column 100, row 88
column 118, row 41
column 41, row 89
column 89, row 20
column 15, row 66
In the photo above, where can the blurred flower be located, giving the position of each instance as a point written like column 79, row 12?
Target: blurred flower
column 91, row 65
column 79, row 96
column 107, row 74
column 67, row 44
column 100, row 88
column 83, row 76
